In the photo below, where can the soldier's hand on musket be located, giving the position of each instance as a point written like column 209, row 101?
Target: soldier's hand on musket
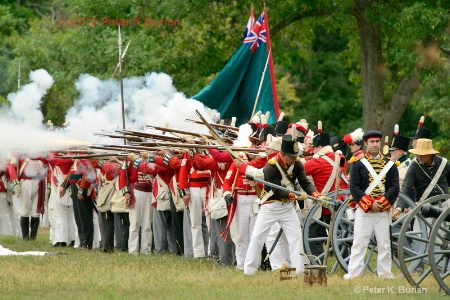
column 161, row 152
column 186, row 200
column 132, row 157
column 237, row 162
column 204, row 139
column 144, row 155
column 114, row 159
column 229, row 199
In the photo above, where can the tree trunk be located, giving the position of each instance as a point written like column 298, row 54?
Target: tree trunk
column 371, row 68
column 379, row 113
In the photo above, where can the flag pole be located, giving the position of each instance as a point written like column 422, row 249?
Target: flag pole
column 121, row 82
column 260, row 85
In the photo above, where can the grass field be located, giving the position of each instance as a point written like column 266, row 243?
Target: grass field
column 83, row 274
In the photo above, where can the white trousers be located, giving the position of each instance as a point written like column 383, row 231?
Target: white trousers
column 63, row 224
column 5, row 216
column 49, row 210
column 365, row 224
column 29, row 198
column 280, row 254
column 15, row 220
column 245, row 222
column 269, row 214
column 141, row 221
column 196, row 213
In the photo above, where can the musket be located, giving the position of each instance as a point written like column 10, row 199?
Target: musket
column 118, row 136
column 328, row 204
column 97, row 155
column 214, row 124
column 182, row 132
column 79, row 151
column 199, row 146
column 125, row 148
column 151, row 135
column 216, row 136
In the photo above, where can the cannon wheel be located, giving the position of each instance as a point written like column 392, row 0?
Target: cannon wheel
column 439, row 250
column 413, row 239
column 306, row 231
column 343, row 231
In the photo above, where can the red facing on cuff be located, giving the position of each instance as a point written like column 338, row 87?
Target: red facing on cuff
column 291, row 196
column 365, row 203
column 316, row 194
column 384, row 202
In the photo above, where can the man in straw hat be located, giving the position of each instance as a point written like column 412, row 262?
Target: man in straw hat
column 374, row 186
column 429, row 174
column 279, row 205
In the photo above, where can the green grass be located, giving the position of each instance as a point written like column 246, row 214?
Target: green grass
column 83, row 274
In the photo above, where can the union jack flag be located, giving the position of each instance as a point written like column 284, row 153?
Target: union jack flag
column 262, row 37
column 252, row 39
column 250, row 23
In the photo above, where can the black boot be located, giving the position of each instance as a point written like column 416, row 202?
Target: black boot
column 34, row 228
column 25, row 227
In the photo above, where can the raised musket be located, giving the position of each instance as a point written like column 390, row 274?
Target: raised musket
column 183, row 132
column 151, row 135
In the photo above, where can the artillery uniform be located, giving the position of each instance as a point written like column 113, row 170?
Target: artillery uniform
column 279, row 207
column 374, row 179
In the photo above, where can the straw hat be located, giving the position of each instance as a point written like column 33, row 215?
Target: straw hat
column 424, row 147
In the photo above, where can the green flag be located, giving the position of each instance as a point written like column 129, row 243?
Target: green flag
column 246, row 79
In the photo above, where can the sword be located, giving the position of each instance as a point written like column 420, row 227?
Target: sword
column 274, row 244
column 328, row 204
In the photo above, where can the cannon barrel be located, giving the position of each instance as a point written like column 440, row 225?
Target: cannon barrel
column 430, row 211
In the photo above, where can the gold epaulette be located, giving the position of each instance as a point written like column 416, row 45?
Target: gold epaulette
column 272, row 161
column 355, row 158
column 298, row 158
column 397, row 163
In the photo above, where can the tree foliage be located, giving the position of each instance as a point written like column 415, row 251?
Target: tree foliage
column 346, row 62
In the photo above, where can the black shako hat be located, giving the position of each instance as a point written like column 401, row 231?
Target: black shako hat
column 422, row 133
column 400, row 142
column 266, row 131
column 372, row 134
column 338, row 144
column 281, row 127
column 321, row 139
column 290, row 147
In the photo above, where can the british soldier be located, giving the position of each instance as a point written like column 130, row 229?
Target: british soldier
column 27, row 174
column 322, row 168
column 62, row 217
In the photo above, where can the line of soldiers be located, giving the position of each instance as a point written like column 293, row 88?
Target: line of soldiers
column 166, row 201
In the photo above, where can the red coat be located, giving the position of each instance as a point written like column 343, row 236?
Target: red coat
column 29, row 168
column 241, row 182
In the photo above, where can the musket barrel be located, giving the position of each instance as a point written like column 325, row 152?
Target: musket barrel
column 319, row 201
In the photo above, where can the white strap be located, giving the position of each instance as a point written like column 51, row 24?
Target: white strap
column 285, row 181
column 435, row 179
column 376, row 177
column 266, row 197
column 330, row 181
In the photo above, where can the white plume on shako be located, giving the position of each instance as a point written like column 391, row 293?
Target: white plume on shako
column 151, row 99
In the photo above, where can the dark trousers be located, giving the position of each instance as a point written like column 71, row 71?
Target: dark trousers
column 82, row 210
column 177, row 227
column 106, row 222
column 121, row 230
